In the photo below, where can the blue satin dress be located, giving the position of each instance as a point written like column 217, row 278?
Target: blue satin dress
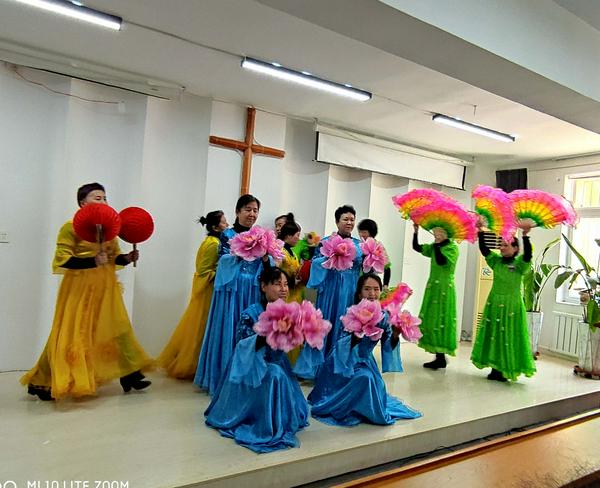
column 225, row 237
column 349, row 388
column 236, row 287
column 335, row 290
column 259, row 403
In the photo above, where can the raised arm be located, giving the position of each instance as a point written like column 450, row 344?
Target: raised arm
column 415, row 244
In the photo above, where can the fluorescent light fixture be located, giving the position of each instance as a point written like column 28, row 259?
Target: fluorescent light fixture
column 305, row 78
column 482, row 131
column 76, row 11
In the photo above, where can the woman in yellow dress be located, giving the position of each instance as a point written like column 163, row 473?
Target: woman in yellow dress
column 91, row 340
column 289, row 233
column 180, row 356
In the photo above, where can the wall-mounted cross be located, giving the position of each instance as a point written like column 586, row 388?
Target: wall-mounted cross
column 249, row 148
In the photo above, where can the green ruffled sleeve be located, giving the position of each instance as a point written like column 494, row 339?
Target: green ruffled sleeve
column 427, row 250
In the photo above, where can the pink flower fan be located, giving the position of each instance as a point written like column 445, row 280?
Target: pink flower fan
column 249, row 245
column 409, row 201
column 313, row 326
column 280, row 324
column 274, row 246
column 256, row 243
column 362, row 319
column 398, row 295
column 405, row 322
column 570, row 215
column 495, row 206
column 340, row 253
column 449, row 215
column 375, row 257
column 542, row 208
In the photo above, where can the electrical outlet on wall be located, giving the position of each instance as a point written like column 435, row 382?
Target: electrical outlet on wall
column 4, row 237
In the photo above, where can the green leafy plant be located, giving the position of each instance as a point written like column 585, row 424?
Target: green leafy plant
column 589, row 296
column 537, row 277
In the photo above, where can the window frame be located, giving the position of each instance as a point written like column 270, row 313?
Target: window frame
column 565, row 295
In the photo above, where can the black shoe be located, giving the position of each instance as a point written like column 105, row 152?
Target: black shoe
column 496, row 375
column 43, row 394
column 134, row 380
column 438, row 363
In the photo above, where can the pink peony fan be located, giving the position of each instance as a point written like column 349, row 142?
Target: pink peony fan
column 542, row 208
column 451, row 216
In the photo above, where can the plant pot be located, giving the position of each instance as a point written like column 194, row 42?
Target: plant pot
column 588, row 350
column 534, row 327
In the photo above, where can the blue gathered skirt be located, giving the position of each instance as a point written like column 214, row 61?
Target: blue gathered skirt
column 335, row 293
column 259, row 403
column 349, row 389
column 236, row 288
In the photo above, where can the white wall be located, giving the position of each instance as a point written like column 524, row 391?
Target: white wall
column 267, row 172
column 304, row 187
column 391, row 226
column 32, row 128
column 172, row 185
column 347, row 186
column 224, row 165
column 467, row 267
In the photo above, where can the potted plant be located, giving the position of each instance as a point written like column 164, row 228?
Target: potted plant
column 534, row 282
column 588, row 347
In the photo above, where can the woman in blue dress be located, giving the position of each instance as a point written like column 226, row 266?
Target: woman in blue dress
column 236, row 287
column 335, row 289
column 349, row 388
column 259, row 403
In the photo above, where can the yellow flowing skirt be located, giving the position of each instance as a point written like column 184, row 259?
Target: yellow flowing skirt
column 91, row 340
column 180, row 356
column 295, row 295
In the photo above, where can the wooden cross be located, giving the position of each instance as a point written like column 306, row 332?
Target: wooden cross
column 248, row 147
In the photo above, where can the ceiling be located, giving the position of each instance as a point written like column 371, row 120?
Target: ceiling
column 586, row 10
column 168, row 40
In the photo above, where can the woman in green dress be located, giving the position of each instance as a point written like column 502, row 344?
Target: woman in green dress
column 502, row 340
column 438, row 310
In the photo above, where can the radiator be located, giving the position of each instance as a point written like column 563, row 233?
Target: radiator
column 566, row 333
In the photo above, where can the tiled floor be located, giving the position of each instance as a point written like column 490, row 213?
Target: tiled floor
column 157, row 438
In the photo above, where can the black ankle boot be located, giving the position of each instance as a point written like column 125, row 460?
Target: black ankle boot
column 134, row 380
column 438, row 363
column 43, row 394
column 496, row 375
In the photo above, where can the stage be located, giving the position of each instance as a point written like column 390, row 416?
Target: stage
column 157, row 438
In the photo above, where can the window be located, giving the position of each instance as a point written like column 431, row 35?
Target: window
column 584, row 192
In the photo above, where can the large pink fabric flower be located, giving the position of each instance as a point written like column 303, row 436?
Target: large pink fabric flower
column 280, row 325
column 314, row 327
column 274, row 246
column 398, row 295
column 339, row 251
column 375, row 258
column 362, row 319
column 405, row 322
column 256, row 243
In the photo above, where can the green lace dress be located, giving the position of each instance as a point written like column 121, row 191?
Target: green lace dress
column 438, row 310
column 502, row 340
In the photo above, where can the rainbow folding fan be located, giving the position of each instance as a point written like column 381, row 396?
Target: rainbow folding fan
column 451, row 216
column 409, row 201
column 543, row 208
column 495, row 206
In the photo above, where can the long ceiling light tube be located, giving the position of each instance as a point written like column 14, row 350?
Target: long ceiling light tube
column 76, row 11
column 306, row 79
column 477, row 129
